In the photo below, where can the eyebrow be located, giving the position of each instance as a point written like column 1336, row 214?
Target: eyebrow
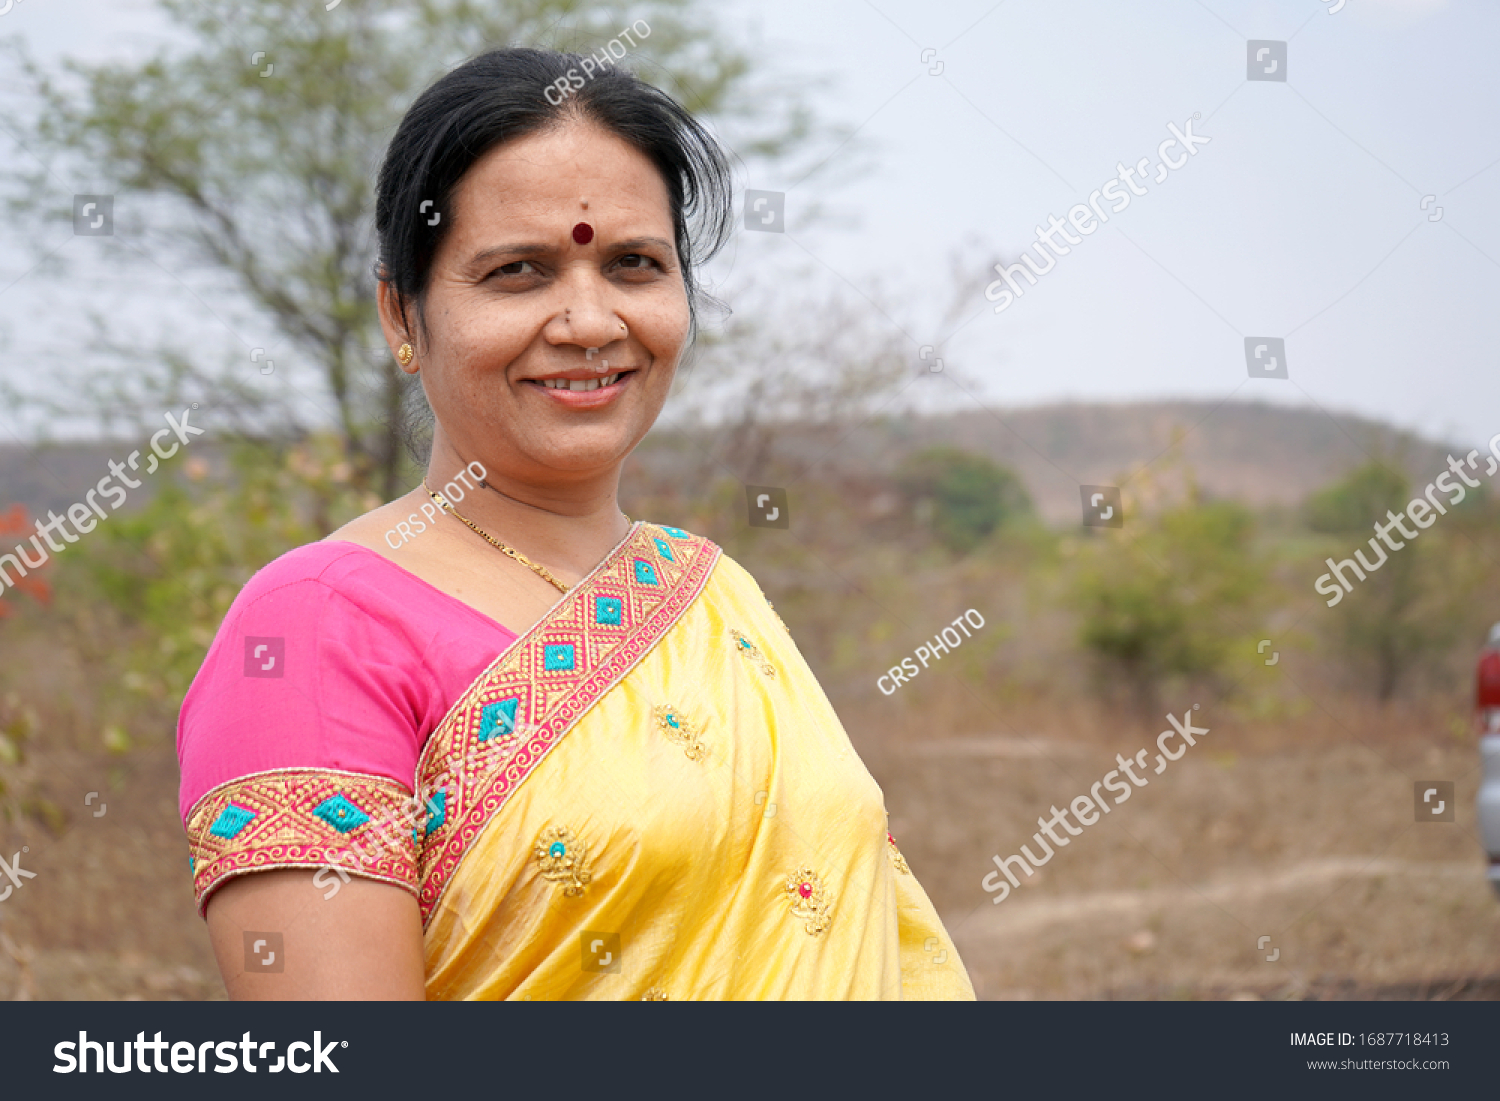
column 523, row 251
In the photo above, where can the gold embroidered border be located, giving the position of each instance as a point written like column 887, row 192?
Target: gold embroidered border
column 535, row 692
column 304, row 818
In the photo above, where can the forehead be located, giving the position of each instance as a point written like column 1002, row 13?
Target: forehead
column 539, row 181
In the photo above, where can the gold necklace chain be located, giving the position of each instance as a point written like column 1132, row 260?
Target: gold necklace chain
column 541, row 571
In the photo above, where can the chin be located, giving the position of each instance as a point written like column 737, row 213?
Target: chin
column 589, row 450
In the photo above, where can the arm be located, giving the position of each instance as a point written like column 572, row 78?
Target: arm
column 364, row 943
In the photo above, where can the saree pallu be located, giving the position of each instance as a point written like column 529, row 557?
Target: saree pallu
column 647, row 796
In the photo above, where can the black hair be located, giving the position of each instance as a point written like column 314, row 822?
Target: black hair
column 507, row 94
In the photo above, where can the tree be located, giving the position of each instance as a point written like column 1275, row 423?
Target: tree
column 1164, row 598
column 253, row 151
column 1411, row 608
column 963, row 496
column 1360, row 499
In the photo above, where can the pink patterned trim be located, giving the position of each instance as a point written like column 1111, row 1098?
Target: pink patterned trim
column 269, row 820
column 480, row 764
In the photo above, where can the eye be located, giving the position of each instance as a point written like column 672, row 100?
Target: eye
column 641, row 261
column 513, row 268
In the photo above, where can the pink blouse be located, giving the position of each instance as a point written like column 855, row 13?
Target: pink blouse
column 332, row 656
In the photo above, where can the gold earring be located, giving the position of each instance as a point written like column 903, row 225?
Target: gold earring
column 404, row 354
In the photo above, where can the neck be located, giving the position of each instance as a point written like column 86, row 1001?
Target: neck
column 567, row 526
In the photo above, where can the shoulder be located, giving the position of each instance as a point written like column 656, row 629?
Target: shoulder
column 666, row 533
column 318, row 664
column 331, row 564
column 679, row 545
column 330, row 578
column 727, row 569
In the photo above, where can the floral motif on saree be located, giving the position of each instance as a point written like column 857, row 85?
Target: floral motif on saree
column 563, row 859
column 680, row 729
column 810, row 899
column 753, row 652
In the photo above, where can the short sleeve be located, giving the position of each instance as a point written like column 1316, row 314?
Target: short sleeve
column 299, row 737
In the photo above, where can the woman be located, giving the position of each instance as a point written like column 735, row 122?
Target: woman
column 627, row 783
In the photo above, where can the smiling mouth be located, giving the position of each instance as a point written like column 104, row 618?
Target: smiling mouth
column 579, row 384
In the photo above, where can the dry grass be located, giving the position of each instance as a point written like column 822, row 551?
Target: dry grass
column 1302, row 831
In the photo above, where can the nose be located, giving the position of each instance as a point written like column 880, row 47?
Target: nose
column 586, row 316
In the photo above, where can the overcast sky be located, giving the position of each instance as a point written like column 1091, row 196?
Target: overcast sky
column 1301, row 219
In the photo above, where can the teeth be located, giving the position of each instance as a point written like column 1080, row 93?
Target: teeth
column 582, row 384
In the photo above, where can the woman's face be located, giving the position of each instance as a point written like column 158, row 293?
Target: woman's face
column 560, row 261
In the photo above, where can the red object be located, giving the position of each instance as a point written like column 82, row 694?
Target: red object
column 583, row 233
column 805, row 890
column 1487, row 680
column 15, row 521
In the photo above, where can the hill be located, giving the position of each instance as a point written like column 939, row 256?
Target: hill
column 1258, row 453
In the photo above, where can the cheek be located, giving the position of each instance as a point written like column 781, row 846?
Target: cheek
column 488, row 338
column 666, row 330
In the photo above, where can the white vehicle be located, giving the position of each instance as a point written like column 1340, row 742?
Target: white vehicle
column 1487, row 700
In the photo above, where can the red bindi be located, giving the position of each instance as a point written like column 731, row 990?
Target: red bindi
column 583, row 233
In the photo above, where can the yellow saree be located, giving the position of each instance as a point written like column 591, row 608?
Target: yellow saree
column 649, row 796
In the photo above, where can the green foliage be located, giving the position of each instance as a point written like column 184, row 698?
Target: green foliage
column 20, row 797
column 1163, row 596
column 964, row 497
column 1357, row 501
column 1412, row 608
column 149, row 587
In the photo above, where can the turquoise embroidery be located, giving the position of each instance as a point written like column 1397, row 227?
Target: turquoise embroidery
column 559, row 656
column 675, row 533
column 752, row 652
column 498, row 718
column 341, row 814
column 644, row 572
column 680, row 729
column 664, row 549
column 231, row 820
column 558, row 849
column 608, row 610
column 437, row 814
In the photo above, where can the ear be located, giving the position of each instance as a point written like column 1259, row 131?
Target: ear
column 386, row 300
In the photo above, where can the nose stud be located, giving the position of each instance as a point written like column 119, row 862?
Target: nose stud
column 583, row 233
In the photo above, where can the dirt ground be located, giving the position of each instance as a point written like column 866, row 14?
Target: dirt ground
column 110, row 914
column 1303, row 832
